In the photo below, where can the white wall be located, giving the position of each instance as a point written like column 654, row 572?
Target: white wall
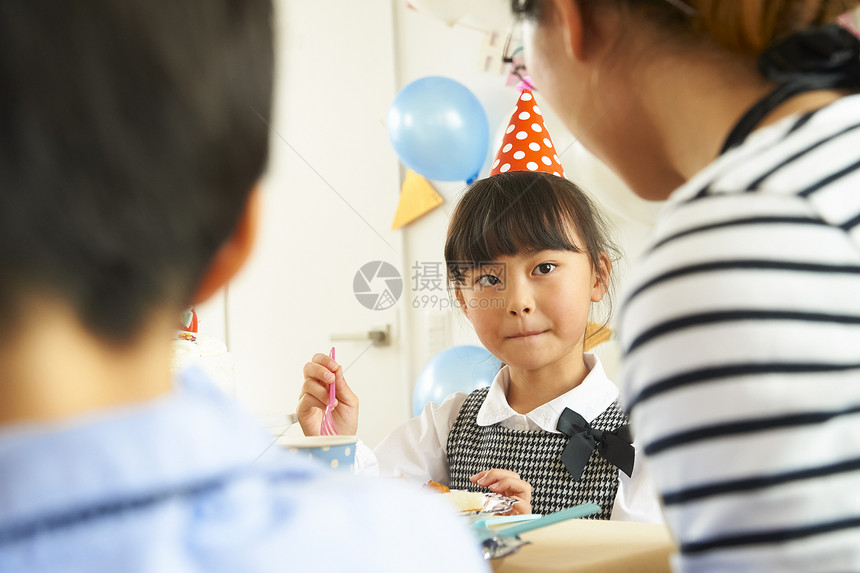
column 331, row 193
column 329, row 198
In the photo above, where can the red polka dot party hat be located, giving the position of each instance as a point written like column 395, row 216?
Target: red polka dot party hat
column 527, row 145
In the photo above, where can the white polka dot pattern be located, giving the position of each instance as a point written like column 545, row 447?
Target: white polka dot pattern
column 526, row 145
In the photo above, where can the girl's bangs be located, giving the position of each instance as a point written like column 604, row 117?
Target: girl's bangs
column 507, row 223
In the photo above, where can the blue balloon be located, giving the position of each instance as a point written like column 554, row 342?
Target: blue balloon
column 439, row 129
column 457, row 369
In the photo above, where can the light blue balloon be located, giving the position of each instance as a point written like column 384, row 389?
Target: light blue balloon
column 457, row 369
column 439, row 129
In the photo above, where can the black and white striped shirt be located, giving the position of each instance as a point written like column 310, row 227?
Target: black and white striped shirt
column 741, row 335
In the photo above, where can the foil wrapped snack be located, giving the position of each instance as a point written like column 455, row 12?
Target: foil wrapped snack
column 478, row 505
column 495, row 503
column 475, row 504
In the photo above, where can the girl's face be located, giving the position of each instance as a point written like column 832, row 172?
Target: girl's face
column 531, row 310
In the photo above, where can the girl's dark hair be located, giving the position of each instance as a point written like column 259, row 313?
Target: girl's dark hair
column 521, row 212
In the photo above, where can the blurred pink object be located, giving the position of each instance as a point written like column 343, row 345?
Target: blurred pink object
column 526, row 84
column 327, row 427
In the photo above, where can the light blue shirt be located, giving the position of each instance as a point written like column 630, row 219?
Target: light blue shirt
column 175, row 484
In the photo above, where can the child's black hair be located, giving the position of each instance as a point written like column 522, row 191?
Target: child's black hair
column 131, row 133
column 522, row 212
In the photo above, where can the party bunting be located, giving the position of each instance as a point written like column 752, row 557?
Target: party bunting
column 417, row 197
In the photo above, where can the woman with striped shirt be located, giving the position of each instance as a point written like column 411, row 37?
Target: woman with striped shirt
column 741, row 325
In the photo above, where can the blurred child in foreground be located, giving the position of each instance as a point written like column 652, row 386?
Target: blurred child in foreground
column 132, row 137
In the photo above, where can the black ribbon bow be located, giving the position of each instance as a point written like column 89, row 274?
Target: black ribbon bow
column 616, row 447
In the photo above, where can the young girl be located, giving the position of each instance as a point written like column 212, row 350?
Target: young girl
column 527, row 255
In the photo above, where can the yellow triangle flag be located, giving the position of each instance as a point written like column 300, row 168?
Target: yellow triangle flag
column 417, row 197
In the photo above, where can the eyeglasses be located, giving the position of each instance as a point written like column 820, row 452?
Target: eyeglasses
column 512, row 53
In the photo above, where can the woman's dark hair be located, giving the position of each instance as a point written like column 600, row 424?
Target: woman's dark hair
column 131, row 133
column 520, row 212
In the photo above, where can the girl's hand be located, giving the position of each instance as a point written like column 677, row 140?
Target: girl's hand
column 509, row 484
column 319, row 373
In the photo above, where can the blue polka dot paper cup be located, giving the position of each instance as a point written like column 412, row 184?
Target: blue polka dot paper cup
column 335, row 452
